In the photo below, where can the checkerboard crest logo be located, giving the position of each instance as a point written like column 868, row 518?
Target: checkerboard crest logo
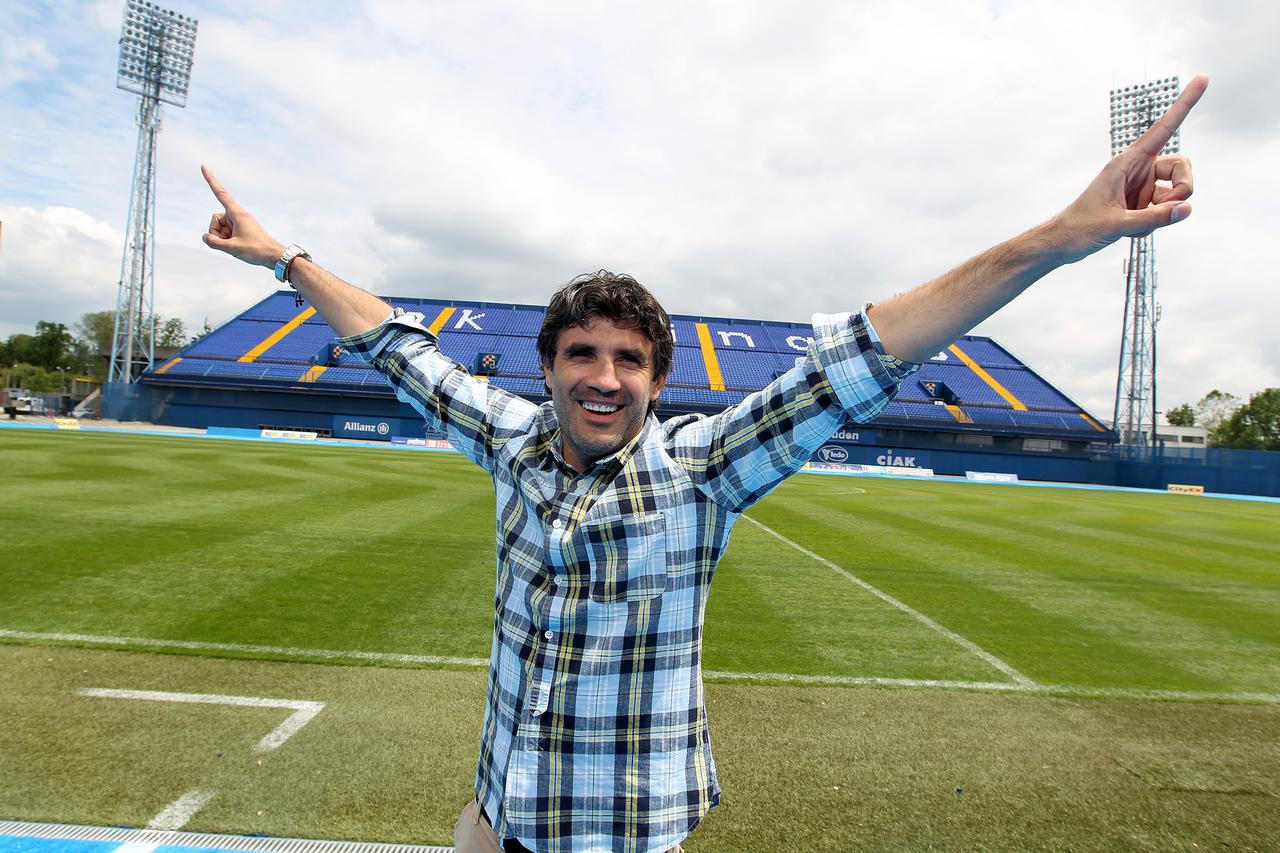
column 832, row 453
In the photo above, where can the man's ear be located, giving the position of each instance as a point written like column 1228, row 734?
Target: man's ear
column 657, row 388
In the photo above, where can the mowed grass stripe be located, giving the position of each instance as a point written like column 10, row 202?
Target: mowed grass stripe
column 773, row 609
column 287, row 567
column 889, row 600
column 1043, row 644
column 1136, row 579
column 1096, row 534
column 1133, row 596
column 371, row 576
column 1106, row 652
column 198, row 570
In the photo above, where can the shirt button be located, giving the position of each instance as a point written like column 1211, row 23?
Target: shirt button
column 557, row 524
column 548, row 634
column 534, row 712
column 557, row 580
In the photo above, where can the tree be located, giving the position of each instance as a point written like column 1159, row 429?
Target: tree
column 19, row 349
column 96, row 329
column 1253, row 426
column 170, row 332
column 1181, row 416
column 1214, row 408
column 34, row 379
column 51, row 346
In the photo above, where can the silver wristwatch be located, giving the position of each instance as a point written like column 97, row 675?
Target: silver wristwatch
column 291, row 252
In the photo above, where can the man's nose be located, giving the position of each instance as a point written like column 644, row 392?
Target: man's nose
column 604, row 378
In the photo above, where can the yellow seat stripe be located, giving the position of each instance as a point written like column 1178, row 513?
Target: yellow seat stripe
column 714, row 377
column 1099, row 427
column 313, row 373
column 443, row 317
column 959, row 414
column 167, row 365
column 1017, row 404
column 272, row 339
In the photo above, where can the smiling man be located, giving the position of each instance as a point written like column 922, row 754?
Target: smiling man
column 610, row 523
column 606, row 349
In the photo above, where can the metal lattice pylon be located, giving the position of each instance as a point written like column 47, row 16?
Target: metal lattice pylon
column 156, row 50
column 1133, row 110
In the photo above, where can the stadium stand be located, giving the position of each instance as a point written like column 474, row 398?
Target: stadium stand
column 280, row 348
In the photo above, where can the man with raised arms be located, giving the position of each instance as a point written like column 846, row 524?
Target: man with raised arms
column 610, row 523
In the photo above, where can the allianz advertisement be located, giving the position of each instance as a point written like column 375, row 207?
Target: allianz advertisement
column 374, row 429
column 899, row 458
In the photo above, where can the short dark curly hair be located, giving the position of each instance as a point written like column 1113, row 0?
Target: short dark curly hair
column 616, row 297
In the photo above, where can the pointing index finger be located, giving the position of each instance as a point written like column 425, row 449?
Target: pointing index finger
column 1151, row 142
column 219, row 191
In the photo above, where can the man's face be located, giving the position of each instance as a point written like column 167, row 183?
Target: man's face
column 601, row 383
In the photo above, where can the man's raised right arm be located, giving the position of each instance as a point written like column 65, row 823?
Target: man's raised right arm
column 347, row 308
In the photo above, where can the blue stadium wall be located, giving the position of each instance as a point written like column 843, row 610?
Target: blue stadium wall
column 1221, row 471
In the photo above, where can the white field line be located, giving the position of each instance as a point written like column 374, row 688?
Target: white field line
column 282, row 651
column 968, row 645
column 1001, row 686
column 176, row 814
column 863, row 680
column 303, row 710
column 783, row 677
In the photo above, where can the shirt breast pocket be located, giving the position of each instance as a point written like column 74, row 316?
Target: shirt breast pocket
column 628, row 557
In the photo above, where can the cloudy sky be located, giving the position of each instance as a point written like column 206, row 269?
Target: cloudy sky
column 756, row 160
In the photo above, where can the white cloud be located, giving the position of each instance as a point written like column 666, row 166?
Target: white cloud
column 22, row 58
column 52, row 262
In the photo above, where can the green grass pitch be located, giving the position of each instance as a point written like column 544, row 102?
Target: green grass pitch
column 1129, row 644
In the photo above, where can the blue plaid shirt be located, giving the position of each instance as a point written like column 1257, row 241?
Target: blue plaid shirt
column 595, row 733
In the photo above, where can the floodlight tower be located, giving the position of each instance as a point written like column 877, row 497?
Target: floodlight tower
column 156, row 50
column 1133, row 110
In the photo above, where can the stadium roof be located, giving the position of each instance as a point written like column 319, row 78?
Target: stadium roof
column 973, row 386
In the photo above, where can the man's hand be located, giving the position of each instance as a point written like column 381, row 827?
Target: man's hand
column 237, row 233
column 1138, row 191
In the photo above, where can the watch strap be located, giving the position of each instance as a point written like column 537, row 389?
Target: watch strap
column 291, row 253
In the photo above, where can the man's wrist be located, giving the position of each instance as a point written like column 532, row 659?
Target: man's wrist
column 270, row 254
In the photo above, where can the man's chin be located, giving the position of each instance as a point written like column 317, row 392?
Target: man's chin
column 597, row 446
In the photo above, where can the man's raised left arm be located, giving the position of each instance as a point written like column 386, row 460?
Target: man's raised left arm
column 1136, row 193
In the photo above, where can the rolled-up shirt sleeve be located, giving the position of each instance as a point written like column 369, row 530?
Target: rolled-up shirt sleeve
column 741, row 454
column 474, row 415
column 863, row 376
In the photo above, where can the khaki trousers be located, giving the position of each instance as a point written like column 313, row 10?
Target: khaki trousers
column 472, row 834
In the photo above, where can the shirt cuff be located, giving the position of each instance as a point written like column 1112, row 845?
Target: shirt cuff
column 896, row 367
column 366, row 346
column 851, row 355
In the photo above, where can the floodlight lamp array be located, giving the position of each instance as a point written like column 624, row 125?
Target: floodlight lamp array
column 157, row 47
column 1135, row 108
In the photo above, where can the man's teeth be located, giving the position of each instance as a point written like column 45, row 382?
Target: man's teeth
column 602, row 408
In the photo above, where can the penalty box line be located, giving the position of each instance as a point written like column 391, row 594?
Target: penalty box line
column 176, row 815
column 967, row 645
column 303, row 710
